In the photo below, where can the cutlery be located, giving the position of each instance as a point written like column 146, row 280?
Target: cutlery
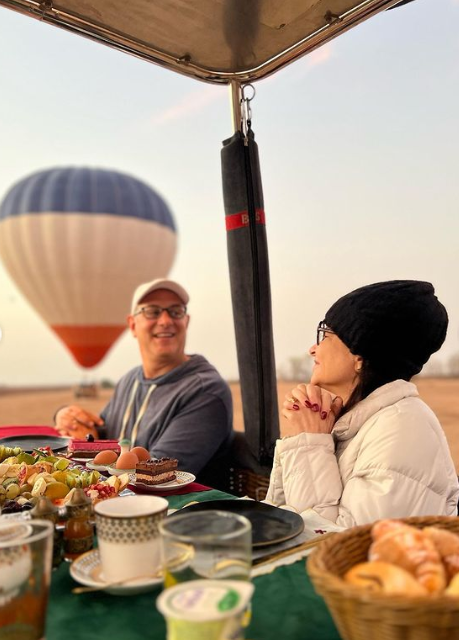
column 118, row 583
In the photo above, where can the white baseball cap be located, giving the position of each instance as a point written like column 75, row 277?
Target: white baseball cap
column 160, row 283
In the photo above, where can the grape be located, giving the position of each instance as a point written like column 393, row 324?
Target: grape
column 12, row 491
column 26, row 488
column 11, row 506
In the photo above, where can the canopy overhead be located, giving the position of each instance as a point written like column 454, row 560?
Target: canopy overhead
column 217, row 41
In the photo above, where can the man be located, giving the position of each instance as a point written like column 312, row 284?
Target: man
column 174, row 404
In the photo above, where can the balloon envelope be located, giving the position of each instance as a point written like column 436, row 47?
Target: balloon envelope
column 77, row 242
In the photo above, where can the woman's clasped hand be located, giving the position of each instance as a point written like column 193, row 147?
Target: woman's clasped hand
column 309, row 409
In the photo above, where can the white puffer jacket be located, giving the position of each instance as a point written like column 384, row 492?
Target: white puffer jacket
column 386, row 458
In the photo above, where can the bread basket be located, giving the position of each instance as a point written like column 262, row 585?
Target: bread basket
column 359, row 615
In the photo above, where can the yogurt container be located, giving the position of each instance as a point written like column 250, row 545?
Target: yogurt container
column 205, row 609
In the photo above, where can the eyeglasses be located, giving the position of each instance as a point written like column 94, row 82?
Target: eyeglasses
column 153, row 312
column 322, row 329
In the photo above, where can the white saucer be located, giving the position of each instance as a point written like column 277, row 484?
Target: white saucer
column 87, row 570
column 182, row 479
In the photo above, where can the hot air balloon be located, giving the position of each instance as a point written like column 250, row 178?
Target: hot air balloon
column 77, row 242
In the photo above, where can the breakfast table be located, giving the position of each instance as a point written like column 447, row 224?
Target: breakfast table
column 284, row 604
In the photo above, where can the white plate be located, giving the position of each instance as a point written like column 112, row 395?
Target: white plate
column 182, row 479
column 113, row 471
column 97, row 467
column 87, row 570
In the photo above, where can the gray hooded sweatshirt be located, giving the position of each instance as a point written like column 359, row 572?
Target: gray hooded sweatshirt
column 189, row 414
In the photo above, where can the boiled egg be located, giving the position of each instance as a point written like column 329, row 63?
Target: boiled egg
column 105, row 457
column 141, row 453
column 127, row 460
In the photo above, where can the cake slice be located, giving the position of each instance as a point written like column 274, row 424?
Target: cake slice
column 154, row 471
column 84, row 449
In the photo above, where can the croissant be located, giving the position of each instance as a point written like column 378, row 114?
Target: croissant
column 447, row 545
column 382, row 577
column 453, row 588
column 407, row 547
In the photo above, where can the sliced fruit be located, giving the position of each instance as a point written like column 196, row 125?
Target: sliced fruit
column 45, row 475
column 26, row 457
column 60, row 476
column 6, row 482
column 61, row 464
column 114, row 482
column 39, row 487
column 94, row 477
column 124, row 480
column 70, row 480
column 56, row 490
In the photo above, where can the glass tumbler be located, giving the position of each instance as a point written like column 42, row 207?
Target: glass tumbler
column 205, row 544
column 25, row 572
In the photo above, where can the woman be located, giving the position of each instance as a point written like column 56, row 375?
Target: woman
column 358, row 444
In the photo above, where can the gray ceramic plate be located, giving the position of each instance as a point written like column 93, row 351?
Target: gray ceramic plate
column 29, row 443
column 270, row 525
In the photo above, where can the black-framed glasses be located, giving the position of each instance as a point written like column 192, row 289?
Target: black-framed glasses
column 153, row 311
column 322, row 329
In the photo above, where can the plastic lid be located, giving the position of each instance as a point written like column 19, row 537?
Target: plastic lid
column 205, row 600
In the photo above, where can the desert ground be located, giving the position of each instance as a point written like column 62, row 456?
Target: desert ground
column 37, row 406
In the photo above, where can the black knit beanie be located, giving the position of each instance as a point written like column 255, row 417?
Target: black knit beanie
column 395, row 326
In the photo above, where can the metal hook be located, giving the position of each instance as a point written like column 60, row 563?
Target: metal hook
column 246, row 98
column 246, row 110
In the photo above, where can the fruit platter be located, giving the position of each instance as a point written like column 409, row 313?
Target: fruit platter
column 25, row 477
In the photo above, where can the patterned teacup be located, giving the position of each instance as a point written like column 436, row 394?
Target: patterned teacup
column 127, row 531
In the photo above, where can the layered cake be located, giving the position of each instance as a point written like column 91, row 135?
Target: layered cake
column 85, row 449
column 153, row 472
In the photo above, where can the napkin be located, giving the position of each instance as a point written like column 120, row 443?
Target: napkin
column 193, row 487
column 27, row 430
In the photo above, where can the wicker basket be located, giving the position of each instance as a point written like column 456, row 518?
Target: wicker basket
column 245, row 482
column 359, row 615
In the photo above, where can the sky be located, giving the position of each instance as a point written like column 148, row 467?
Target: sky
column 358, row 149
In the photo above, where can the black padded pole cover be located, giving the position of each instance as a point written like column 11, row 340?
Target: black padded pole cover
column 250, row 292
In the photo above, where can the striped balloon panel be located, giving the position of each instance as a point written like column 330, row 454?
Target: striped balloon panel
column 87, row 191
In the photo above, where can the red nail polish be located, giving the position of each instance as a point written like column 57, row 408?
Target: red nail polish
column 323, row 415
column 315, row 407
column 295, row 407
column 308, row 404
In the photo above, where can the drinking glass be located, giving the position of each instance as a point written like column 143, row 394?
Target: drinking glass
column 205, row 544
column 26, row 550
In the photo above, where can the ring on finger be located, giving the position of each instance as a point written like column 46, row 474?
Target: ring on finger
column 292, row 399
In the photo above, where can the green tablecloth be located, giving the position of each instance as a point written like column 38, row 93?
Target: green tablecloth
column 284, row 606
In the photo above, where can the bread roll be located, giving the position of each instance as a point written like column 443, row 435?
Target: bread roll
column 453, row 588
column 384, row 578
column 410, row 549
column 447, row 545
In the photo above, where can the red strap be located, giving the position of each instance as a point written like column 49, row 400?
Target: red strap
column 241, row 219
